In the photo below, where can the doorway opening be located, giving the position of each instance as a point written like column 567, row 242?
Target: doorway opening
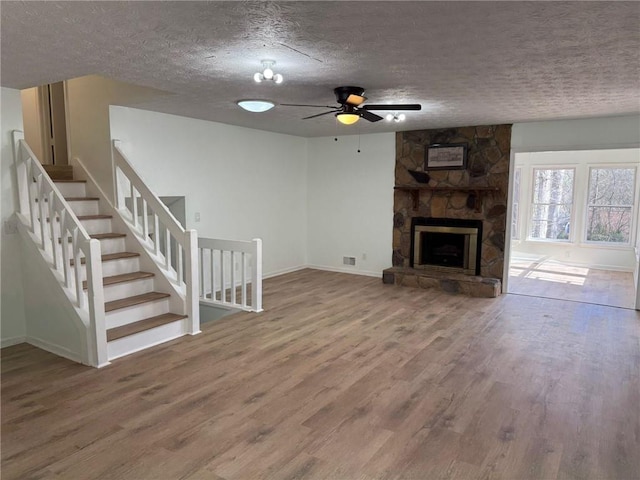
column 44, row 111
column 575, row 233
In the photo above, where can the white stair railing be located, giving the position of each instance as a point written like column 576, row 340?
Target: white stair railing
column 231, row 273
column 174, row 249
column 53, row 224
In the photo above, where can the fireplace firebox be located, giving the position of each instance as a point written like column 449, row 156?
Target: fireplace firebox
column 446, row 245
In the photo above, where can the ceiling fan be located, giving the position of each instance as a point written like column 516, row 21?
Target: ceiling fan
column 351, row 108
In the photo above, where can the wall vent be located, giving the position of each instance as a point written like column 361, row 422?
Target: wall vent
column 349, row 260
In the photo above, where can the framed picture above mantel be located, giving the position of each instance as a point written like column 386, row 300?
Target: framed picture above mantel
column 446, row 156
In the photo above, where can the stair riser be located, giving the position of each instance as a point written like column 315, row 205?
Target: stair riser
column 99, row 225
column 115, row 267
column 127, row 289
column 112, row 245
column 72, row 189
column 85, row 207
column 125, row 316
column 148, row 338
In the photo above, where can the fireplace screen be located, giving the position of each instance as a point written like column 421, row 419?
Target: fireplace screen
column 451, row 248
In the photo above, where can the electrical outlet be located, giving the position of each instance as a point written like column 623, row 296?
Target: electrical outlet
column 364, row 256
column 197, row 216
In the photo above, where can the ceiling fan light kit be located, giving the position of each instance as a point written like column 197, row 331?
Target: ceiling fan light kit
column 267, row 73
column 350, row 107
column 347, row 118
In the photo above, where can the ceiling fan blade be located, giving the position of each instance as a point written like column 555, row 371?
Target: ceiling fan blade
column 302, row 105
column 372, row 117
column 397, row 106
column 320, row 114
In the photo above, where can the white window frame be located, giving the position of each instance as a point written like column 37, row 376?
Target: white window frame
column 634, row 204
column 531, row 205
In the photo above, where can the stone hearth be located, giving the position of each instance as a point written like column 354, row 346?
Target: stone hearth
column 487, row 168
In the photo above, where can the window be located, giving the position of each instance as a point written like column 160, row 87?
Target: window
column 610, row 204
column 552, row 203
column 515, row 214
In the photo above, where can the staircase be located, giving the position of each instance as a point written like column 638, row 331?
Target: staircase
column 132, row 292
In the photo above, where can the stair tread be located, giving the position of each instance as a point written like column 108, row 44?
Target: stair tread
column 122, row 278
column 93, row 217
column 135, row 300
column 142, row 325
column 80, row 199
column 112, row 256
column 67, row 180
column 102, row 236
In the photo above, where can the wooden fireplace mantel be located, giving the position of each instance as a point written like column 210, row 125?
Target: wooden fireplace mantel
column 477, row 192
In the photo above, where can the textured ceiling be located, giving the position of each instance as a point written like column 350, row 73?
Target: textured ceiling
column 467, row 63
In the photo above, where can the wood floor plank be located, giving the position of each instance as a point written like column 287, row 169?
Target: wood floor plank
column 342, row 377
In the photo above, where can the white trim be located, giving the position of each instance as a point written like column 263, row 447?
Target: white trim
column 9, row 342
column 284, row 271
column 364, row 273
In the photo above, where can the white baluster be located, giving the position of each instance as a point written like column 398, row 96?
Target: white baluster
column 41, row 211
column 243, row 287
column 156, row 235
column 223, row 287
column 233, row 277
column 145, row 222
column 78, row 277
column 213, row 277
column 52, row 230
column 167, row 245
column 256, row 276
column 134, row 205
column 179, row 276
column 201, row 256
column 66, row 263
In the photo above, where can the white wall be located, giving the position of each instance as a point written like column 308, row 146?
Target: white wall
column 585, row 134
column 33, row 134
column 350, row 202
column 88, row 100
column 12, row 318
column 244, row 183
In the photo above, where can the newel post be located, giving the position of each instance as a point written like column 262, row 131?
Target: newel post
column 192, row 280
column 256, row 275
column 97, row 323
column 21, row 173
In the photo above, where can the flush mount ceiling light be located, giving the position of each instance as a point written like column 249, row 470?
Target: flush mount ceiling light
column 255, row 106
column 395, row 117
column 267, row 73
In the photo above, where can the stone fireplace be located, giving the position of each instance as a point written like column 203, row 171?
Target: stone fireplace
column 473, row 197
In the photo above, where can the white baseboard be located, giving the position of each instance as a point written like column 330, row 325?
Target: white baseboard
column 55, row 349
column 284, row 271
column 8, row 342
column 352, row 271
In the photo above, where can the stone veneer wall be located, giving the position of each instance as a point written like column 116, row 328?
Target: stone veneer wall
column 488, row 166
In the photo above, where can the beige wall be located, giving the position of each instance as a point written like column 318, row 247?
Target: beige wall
column 32, row 122
column 89, row 132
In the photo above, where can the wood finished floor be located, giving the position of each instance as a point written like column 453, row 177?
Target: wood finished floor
column 343, row 377
column 552, row 279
